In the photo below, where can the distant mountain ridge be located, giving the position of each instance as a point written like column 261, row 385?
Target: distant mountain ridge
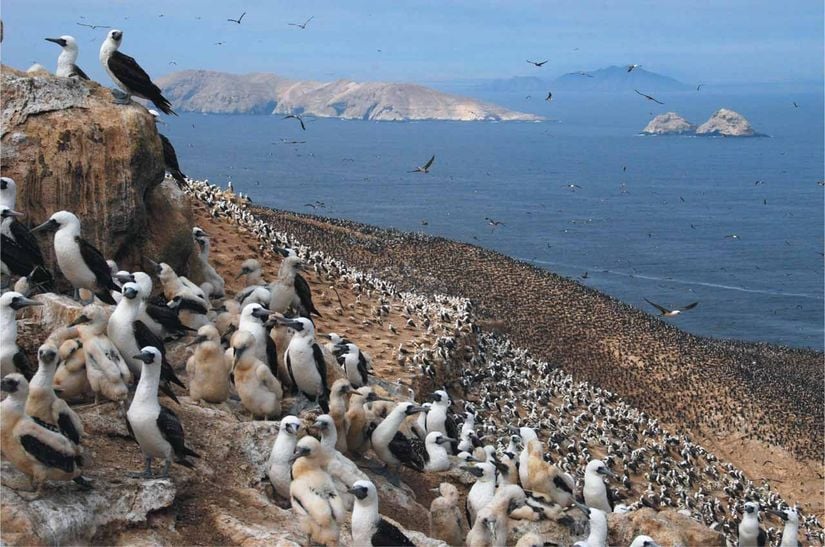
column 608, row 79
column 262, row 93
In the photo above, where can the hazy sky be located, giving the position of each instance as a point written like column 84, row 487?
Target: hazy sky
column 434, row 40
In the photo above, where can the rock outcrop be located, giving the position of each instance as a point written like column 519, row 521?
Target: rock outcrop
column 727, row 123
column 222, row 93
column 69, row 147
column 667, row 527
column 669, row 123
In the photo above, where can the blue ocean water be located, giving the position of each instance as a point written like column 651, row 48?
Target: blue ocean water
column 653, row 217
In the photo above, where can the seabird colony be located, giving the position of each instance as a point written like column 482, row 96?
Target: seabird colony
column 530, row 442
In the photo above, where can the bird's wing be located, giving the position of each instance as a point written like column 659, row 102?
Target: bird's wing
column 429, row 163
column 68, row 427
column 690, row 306
column 132, row 75
column 94, row 259
column 389, row 535
column 321, row 365
column 166, row 317
column 271, row 355
column 308, row 20
column 192, row 305
column 50, row 456
column 289, row 368
column 402, row 448
column 77, row 71
column 657, row 306
column 241, row 17
column 362, row 367
column 269, row 381
column 305, row 295
column 172, row 430
column 22, row 363
column 145, row 337
column 561, row 484
column 170, row 158
column 761, row 538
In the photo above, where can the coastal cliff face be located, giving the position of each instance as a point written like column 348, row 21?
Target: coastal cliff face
column 726, row 123
column 221, row 93
column 67, row 146
column 669, row 123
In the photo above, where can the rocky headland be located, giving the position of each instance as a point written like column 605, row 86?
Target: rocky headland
column 723, row 123
column 260, row 93
column 692, row 426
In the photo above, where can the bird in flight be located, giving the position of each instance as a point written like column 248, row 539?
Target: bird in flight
column 631, row 67
column 731, row 236
column 93, row 27
column 219, row 43
column 494, row 223
column 648, row 97
column 549, row 97
column 297, row 117
column 585, row 74
column 698, row 87
column 572, row 187
column 424, row 168
column 664, row 312
column 238, row 20
column 585, row 275
column 303, row 25
column 795, row 105
column 538, row 63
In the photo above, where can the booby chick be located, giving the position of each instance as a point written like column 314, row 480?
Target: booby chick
column 81, row 263
column 129, row 334
column 342, row 470
column 157, row 429
column 12, row 358
column 437, row 457
column 368, row 527
column 252, row 320
column 210, row 275
column 305, row 362
column 393, row 447
column 358, row 433
column 70, row 379
column 20, row 252
column 313, row 494
column 790, row 532
column 251, row 268
column 43, row 405
column 491, row 527
column 546, row 478
column 128, row 75
column 207, row 368
column 36, row 451
column 483, row 489
column 527, row 434
column 354, row 363
column 106, row 370
column 595, row 491
column 279, row 468
column 750, row 533
column 67, row 60
column 259, row 390
column 447, row 522
column 187, row 299
column 338, row 403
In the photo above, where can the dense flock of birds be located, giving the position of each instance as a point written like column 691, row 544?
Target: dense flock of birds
column 537, row 442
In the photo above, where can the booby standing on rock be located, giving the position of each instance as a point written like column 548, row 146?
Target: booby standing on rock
column 392, row 446
column 437, row 456
column 595, row 491
column 19, row 251
column 492, row 524
column 305, row 362
column 791, row 530
column 259, row 390
column 156, row 428
column 207, row 368
column 598, row 528
column 12, row 359
column 354, row 363
column 170, row 157
column 482, row 490
column 750, row 533
column 40, row 453
column 287, row 291
column 280, row 458
column 446, row 521
column 209, row 274
column 128, row 75
column 43, row 405
column 66, row 67
column 368, row 527
column 81, row 263
column 439, row 419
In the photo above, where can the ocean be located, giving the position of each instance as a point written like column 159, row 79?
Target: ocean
column 648, row 217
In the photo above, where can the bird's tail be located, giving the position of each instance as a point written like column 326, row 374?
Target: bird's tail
column 166, row 389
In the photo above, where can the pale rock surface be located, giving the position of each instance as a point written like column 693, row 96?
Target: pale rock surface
column 666, row 527
column 669, row 123
column 727, row 123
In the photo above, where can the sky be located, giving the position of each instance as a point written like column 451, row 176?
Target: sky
column 430, row 41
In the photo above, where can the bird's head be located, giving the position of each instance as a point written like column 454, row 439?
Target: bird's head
column 149, row 355
column 241, row 341
column 130, row 290
column 15, row 384
column 115, row 36
column 66, row 42
column 16, row 301
column 6, row 212
column 57, row 221
column 307, row 447
column 751, row 508
column 323, row 423
column 290, row 424
column 363, row 490
column 7, row 183
column 47, row 355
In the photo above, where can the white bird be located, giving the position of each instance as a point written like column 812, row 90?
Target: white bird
column 438, row 457
column 368, row 527
column 527, row 434
column 750, row 533
column 313, row 494
column 354, row 363
column 305, row 362
column 439, row 419
column 12, row 359
column 393, row 447
column 483, row 489
column 280, row 458
column 598, row 528
column 643, row 541
column 491, row 526
column 209, row 273
column 791, row 530
column 66, row 61
column 128, row 75
column 594, row 490
column 157, row 429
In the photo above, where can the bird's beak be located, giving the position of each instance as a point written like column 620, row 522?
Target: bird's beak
column 607, row 471
column 780, row 514
column 145, row 356
column 25, row 302
column 238, row 352
column 262, row 313
column 473, row 470
column 299, row 453
column 281, row 251
column 59, row 41
column 154, row 266
column 415, row 409
column 48, row 226
column 130, row 292
column 197, row 340
column 448, row 440
column 585, row 509
column 11, row 213
column 289, row 322
column 80, row 320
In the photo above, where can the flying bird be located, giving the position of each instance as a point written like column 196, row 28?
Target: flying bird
column 537, row 63
column 297, row 117
column 238, row 20
column 665, row 312
column 631, row 67
column 648, row 97
column 549, row 97
column 572, row 187
column 494, row 223
column 424, row 168
column 582, row 73
column 303, row 25
column 93, row 27
column 698, row 87
column 795, row 105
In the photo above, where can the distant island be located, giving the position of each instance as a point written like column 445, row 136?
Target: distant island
column 609, row 79
column 723, row 123
column 262, row 93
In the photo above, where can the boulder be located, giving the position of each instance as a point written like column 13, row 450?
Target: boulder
column 667, row 527
column 69, row 147
column 727, row 123
column 669, row 123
